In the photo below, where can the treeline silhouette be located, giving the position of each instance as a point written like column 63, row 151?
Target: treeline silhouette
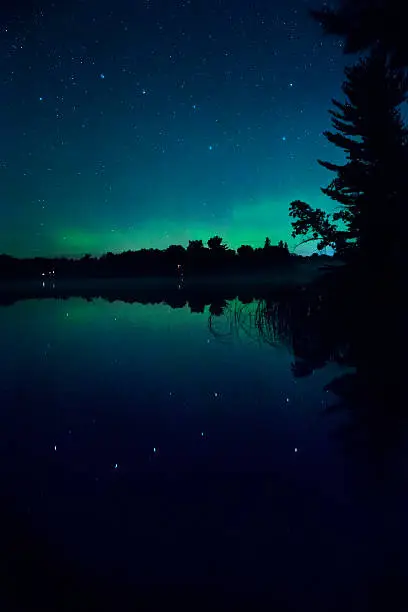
column 175, row 261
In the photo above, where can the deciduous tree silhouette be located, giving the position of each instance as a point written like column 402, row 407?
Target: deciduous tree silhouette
column 216, row 244
column 313, row 224
column 195, row 246
column 176, row 254
column 196, row 255
column 245, row 250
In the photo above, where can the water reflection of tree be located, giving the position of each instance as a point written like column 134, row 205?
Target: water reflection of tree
column 339, row 319
column 289, row 319
column 255, row 320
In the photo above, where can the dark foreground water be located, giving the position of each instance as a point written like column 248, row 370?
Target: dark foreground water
column 146, row 445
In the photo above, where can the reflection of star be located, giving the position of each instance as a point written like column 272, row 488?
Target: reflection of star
column 102, row 75
column 210, row 147
column 283, row 137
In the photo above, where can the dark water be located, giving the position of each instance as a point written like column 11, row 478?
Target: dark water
column 146, row 445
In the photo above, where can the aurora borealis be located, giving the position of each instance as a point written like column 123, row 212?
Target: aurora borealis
column 144, row 123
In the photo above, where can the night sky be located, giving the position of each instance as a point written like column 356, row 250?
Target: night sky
column 132, row 124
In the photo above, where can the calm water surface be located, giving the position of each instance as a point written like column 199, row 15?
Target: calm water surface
column 140, row 442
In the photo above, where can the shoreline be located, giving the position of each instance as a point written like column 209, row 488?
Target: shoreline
column 151, row 289
column 299, row 275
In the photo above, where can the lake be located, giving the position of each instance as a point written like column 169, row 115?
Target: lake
column 144, row 444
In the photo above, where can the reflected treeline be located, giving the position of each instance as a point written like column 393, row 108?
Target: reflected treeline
column 347, row 318
column 350, row 319
column 177, row 294
column 301, row 317
column 344, row 316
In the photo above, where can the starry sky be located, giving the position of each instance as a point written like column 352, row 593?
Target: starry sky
column 144, row 123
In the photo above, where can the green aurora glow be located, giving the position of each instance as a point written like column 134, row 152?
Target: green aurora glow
column 156, row 137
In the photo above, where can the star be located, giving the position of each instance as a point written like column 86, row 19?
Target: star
column 161, row 122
